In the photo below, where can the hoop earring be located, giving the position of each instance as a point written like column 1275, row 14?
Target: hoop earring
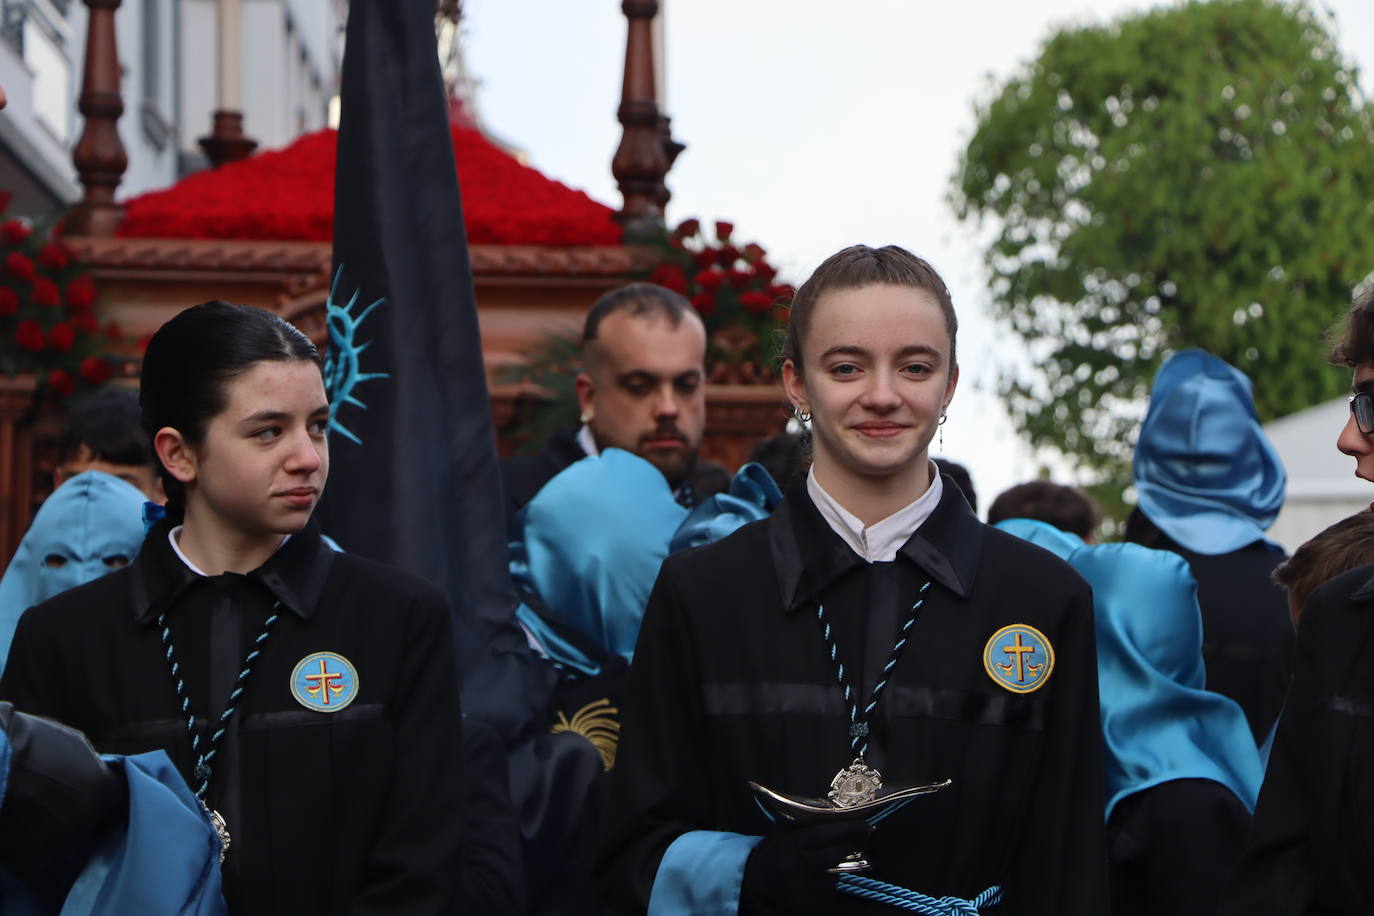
column 803, row 416
column 941, row 426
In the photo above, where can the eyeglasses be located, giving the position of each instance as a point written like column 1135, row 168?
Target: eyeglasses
column 1362, row 407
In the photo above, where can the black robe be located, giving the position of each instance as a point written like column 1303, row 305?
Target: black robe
column 353, row 812
column 731, row 681
column 1311, row 849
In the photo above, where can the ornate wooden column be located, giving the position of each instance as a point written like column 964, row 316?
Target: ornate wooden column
column 227, row 141
column 640, row 162
column 99, row 154
column 16, row 461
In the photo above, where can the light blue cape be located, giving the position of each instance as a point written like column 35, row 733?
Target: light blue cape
column 1205, row 472
column 90, row 519
column 1159, row 723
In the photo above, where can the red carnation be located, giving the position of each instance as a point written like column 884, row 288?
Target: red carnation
column 15, row 231
column 18, row 265
column 704, row 303
column 688, row 228
column 61, row 337
column 723, row 230
column 704, row 258
column 669, row 276
column 729, row 254
column 55, row 256
column 61, row 381
column 81, row 292
column 45, row 292
column 9, row 302
column 709, row 280
column 756, row 302
column 753, row 253
column 29, row 335
column 95, row 370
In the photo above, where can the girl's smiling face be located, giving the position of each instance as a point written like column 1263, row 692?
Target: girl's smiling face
column 878, row 376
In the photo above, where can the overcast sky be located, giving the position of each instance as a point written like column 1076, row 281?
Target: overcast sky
column 810, row 125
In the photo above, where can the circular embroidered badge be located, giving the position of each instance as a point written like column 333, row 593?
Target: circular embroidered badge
column 1019, row 658
column 324, row 682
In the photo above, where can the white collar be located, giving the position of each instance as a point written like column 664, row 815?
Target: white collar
column 879, row 542
column 174, row 538
column 587, row 441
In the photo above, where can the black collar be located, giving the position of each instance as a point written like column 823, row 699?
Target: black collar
column 1365, row 593
column 294, row 575
column 809, row 556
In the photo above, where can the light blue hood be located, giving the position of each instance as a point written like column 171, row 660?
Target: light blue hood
column 1159, row 722
column 1206, row 474
column 89, row 520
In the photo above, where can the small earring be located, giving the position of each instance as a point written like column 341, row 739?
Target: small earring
column 803, row 416
column 941, row 424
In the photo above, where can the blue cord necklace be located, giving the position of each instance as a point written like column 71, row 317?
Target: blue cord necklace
column 202, row 770
column 859, row 783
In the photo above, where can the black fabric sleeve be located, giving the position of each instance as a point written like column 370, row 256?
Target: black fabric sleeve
column 493, row 871
column 1062, row 865
column 32, row 680
column 659, row 787
column 413, row 866
column 1275, row 873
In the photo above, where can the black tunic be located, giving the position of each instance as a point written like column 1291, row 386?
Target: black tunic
column 359, row 811
column 1311, row 849
column 1171, row 848
column 731, row 681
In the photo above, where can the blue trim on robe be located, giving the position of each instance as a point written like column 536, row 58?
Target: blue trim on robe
column 700, row 874
column 1159, row 722
column 1204, row 470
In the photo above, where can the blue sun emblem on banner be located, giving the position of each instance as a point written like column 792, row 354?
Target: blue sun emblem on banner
column 343, row 368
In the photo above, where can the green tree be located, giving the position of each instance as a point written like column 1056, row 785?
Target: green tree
column 1201, row 175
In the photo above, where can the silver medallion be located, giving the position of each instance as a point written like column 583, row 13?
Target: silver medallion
column 857, row 784
column 221, row 830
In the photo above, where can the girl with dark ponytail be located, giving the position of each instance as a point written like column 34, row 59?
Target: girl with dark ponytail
column 308, row 697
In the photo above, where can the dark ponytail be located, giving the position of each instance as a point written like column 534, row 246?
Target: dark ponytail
column 190, row 359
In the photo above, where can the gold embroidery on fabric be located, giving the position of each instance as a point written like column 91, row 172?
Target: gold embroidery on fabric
column 597, row 723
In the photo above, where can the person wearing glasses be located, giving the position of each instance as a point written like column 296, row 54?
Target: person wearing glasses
column 1310, row 848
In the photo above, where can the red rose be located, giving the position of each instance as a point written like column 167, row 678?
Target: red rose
column 45, row 292
column 729, row 254
column 5, row 198
column 765, row 271
column 688, row 228
column 739, row 278
column 143, row 343
column 18, row 265
column 669, row 276
column 61, row 337
column 55, row 256
column 709, row 280
column 85, row 323
column 704, row 303
column 704, row 258
column 753, row 253
column 81, row 292
column 9, row 302
column 114, row 332
column 61, row 381
column 15, row 231
column 781, row 292
column 723, row 230
column 95, row 370
column 29, row 335
column 756, row 302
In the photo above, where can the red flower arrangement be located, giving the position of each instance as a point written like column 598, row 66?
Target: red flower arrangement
column 289, row 194
column 46, row 323
column 734, row 289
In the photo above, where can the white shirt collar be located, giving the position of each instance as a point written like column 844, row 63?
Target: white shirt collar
column 879, row 542
column 174, row 538
column 587, row 441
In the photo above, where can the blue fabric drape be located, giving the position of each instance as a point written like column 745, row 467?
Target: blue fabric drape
column 1205, row 472
column 1159, row 723
column 701, row 873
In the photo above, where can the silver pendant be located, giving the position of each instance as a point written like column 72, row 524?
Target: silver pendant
column 221, row 830
column 856, row 784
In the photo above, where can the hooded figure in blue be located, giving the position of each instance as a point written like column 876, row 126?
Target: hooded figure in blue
column 89, row 526
column 1180, row 769
column 1210, row 484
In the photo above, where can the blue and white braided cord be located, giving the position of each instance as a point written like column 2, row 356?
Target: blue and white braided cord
column 914, row 902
